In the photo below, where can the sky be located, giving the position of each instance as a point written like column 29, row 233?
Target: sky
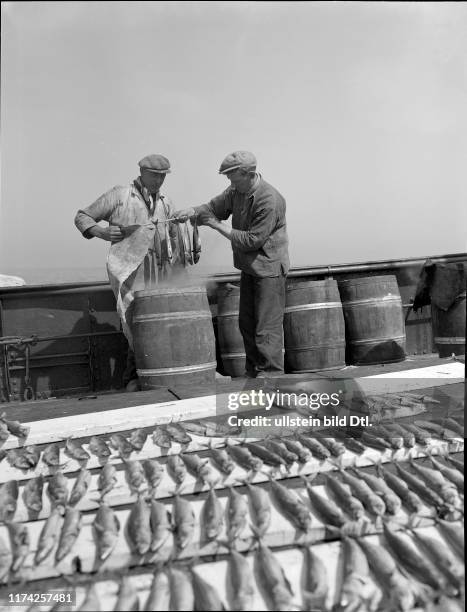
column 355, row 112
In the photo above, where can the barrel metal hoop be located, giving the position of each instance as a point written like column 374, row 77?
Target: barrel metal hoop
column 191, row 314
column 224, row 315
column 378, row 340
column 316, row 306
column 448, row 340
column 372, row 301
column 315, row 347
column 180, row 370
column 233, row 355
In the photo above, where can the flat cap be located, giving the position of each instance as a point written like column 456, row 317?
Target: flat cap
column 155, row 163
column 238, row 159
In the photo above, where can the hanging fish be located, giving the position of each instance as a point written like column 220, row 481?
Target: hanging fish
column 70, row 532
column 408, row 437
column 182, row 596
column 51, row 455
column 183, row 519
column 395, row 440
column 99, row 447
column 212, row 516
column 260, row 508
column 350, row 504
column 410, row 499
column 350, row 441
column 107, row 527
column 454, row 533
column 25, row 458
column 15, row 427
column 160, row 525
column 243, row 457
column 20, row 543
column 419, row 487
column 8, row 500
column 374, row 441
column 57, row 490
column 168, row 243
column 121, row 444
column 294, row 446
column 452, row 475
column 443, row 432
column 127, row 600
column 137, row 439
column 280, row 449
column 317, row 449
column 196, row 242
column 372, row 502
column 334, row 447
column 459, row 465
column 442, row 557
column 135, row 475
column 206, row 596
column 193, row 463
column 266, row 456
column 316, row 584
column 357, row 588
column 221, row 459
column 422, row 436
column 153, row 472
column 290, row 505
column 80, row 487
column 325, row 508
column 445, row 488
column 272, row 578
column 48, row 536
column 177, row 433
column 187, row 243
column 176, row 469
column 107, row 479
column 237, row 512
column 74, row 450
column 195, row 427
column 139, row 527
column 161, row 438
column 5, row 560
column 159, row 593
column 32, row 494
column 91, row 602
column 378, row 485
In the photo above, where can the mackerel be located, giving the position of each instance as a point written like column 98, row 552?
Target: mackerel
column 408, row 437
column 154, row 473
column 49, row 536
column 244, row 458
column 183, row 519
column 15, row 427
column 326, row 509
column 99, row 447
column 80, row 487
column 107, row 479
column 161, row 438
column 443, row 432
column 206, row 596
column 454, row 533
column 237, row 512
column 334, row 447
column 451, row 474
column 350, row 442
column 139, row 527
column 76, row 451
column 57, row 490
column 378, row 485
column 419, row 486
column 51, row 455
column 422, row 436
column 137, row 439
column 20, row 542
column 32, row 494
column 182, row 596
column 441, row 556
column 272, row 578
column 372, row 502
column 280, row 449
column 5, row 560
column 436, row 481
column 317, row 449
column 241, row 581
column 107, row 527
column 351, row 505
column 221, row 460
column 395, row 441
column 268, row 457
column 410, row 499
column 357, row 587
column 160, row 525
column 176, row 469
column 459, row 465
column 294, row 446
column 25, row 458
column 91, row 602
column 212, row 516
column 127, row 600
column 260, row 508
column 374, row 441
column 178, row 434
column 120, row 443
column 290, row 505
column 135, row 475
column 316, row 584
column 70, row 532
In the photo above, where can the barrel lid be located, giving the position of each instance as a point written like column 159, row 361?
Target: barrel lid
column 305, row 284
column 170, row 291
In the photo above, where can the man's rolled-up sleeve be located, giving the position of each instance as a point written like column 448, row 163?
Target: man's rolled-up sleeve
column 261, row 228
column 100, row 210
column 220, row 206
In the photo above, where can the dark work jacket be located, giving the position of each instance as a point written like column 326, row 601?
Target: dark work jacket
column 259, row 232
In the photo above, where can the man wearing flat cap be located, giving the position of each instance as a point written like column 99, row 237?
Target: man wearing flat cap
column 260, row 250
column 140, row 254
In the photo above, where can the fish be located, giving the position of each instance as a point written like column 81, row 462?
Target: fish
column 168, row 243
column 182, row 596
column 454, row 426
column 351, row 505
column 183, row 520
column 137, row 439
column 25, row 458
column 409, row 557
column 161, row 438
column 20, row 543
column 280, row 449
column 51, row 455
column 15, row 427
column 127, row 600
column 316, row 582
column 290, row 505
column 260, row 507
column 196, row 242
column 8, row 500
column 374, row 441
column 176, row 469
column 159, row 593
column 437, row 482
column 334, row 447
column 91, row 602
column 178, row 434
column 296, row 447
column 57, row 490
column 49, row 536
column 419, row 487
column 241, row 455
column 206, row 596
column 160, row 525
column 357, row 588
column 139, row 527
column 70, row 532
column 408, row 437
column 272, row 578
column 443, row 432
column 445, row 604
column 350, row 441
column 454, row 534
column 378, row 485
column 396, row 441
column 423, row 399
column 195, row 427
column 106, row 527
column 222, row 460
column 212, row 516
column 76, row 451
column 4, row 433
column 121, row 444
column 241, row 581
column 410, row 499
column 266, row 456
column 135, row 475
column 317, row 449
column 422, row 436
column 441, row 556
column 216, row 429
column 459, row 465
column 372, row 502
column 153, row 472
column 199, row 468
column 32, row 494
column 5, row 560
column 82, row 482
column 325, row 508
column 237, row 512
column 453, row 475
column 107, row 479
column 99, row 447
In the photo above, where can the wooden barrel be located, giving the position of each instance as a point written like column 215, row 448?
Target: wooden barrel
column 374, row 321
column 314, row 331
column 230, row 339
column 173, row 337
column 449, row 328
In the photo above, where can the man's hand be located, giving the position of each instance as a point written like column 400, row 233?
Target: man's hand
column 208, row 219
column 182, row 216
column 113, row 233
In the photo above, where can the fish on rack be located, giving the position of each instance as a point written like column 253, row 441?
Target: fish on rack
column 154, row 473
column 106, row 528
column 260, row 507
column 99, row 447
column 350, row 504
column 160, row 525
column 49, row 536
column 272, row 579
column 176, row 469
column 139, row 527
column 241, row 581
column 316, row 583
column 441, row 556
column 70, row 531
column 243, row 457
column 357, row 590
column 392, row 502
column 127, row 599
column 107, row 479
column 25, row 458
column 183, row 522
column 237, row 513
column 178, row 434
column 159, row 593
column 281, row 449
column 408, row 497
column 57, row 490
column 120, row 443
column 206, row 596
column 453, row 475
column 137, row 439
column 32, row 494
column 370, row 500
column 135, row 474
column 221, row 459
column 318, row 451
column 294, row 446
column 74, row 450
column 182, row 596
column 51, row 455
column 212, row 516
column 445, row 488
column 161, row 438
column 15, row 427
column 8, row 500
column 290, row 505
column 5, row 560
column 20, row 544
column 82, row 482
column 326, row 509
column 199, row 468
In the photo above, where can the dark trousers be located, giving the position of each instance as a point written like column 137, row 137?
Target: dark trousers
column 130, row 368
column 262, row 303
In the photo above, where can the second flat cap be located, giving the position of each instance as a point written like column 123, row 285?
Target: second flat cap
column 237, row 159
column 155, row 163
